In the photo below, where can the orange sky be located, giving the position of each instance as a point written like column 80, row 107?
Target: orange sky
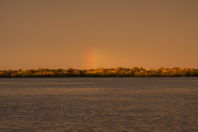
column 98, row 33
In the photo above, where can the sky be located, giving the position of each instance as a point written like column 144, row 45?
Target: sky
column 98, row 33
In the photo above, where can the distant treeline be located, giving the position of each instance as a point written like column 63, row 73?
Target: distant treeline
column 101, row 72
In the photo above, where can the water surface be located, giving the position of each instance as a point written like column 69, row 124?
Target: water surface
column 99, row 105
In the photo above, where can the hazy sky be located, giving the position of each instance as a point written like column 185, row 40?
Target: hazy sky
column 98, row 33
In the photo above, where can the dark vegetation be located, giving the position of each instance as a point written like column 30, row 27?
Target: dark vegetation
column 101, row 72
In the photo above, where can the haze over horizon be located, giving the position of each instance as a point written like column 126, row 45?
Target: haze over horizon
column 103, row 33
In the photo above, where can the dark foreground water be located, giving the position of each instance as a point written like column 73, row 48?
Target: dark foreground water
column 99, row 105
